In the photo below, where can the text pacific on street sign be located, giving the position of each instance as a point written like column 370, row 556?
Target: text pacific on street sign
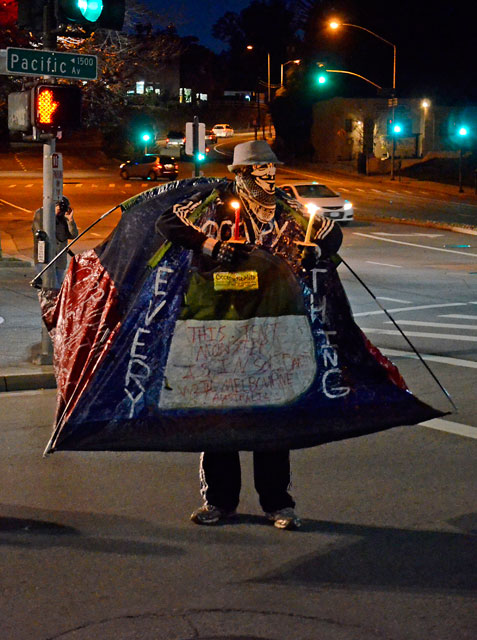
column 37, row 62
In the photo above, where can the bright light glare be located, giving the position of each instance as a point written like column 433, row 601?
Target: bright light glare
column 425, row 104
column 347, row 206
column 334, row 24
column 463, row 131
column 311, row 208
column 235, row 204
column 146, row 137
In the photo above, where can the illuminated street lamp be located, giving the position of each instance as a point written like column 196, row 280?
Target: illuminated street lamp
column 284, row 65
column 250, row 48
column 335, row 24
column 425, row 105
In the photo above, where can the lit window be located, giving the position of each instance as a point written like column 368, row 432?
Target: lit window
column 140, row 87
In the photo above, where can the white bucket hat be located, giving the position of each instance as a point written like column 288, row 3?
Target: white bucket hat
column 253, row 152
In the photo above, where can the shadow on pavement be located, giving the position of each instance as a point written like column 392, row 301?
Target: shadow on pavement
column 385, row 558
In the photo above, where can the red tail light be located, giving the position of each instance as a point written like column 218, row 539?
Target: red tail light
column 167, row 140
column 159, row 166
column 176, row 166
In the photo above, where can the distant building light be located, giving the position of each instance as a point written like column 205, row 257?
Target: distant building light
column 425, row 104
column 140, row 87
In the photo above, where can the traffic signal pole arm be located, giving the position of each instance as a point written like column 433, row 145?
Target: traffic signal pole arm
column 354, row 74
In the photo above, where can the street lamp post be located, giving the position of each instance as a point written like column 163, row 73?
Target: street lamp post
column 284, row 65
column 335, row 25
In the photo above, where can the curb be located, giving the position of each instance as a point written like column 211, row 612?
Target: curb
column 27, row 381
column 432, row 224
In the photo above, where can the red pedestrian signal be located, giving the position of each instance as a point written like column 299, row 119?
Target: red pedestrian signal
column 45, row 106
column 56, row 107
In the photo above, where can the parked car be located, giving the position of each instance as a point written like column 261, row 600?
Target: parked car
column 223, row 130
column 318, row 198
column 175, row 139
column 210, row 137
column 150, row 167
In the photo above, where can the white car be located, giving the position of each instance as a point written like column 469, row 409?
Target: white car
column 223, row 130
column 320, row 199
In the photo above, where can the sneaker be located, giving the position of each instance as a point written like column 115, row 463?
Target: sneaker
column 284, row 519
column 208, row 514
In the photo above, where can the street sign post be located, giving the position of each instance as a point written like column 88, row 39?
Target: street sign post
column 38, row 62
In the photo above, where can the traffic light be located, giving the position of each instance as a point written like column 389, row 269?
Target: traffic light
column 199, row 156
column 102, row 14
column 322, row 77
column 462, row 131
column 399, row 127
column 56, row 107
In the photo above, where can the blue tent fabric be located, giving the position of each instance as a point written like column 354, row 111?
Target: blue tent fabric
column 177, row 363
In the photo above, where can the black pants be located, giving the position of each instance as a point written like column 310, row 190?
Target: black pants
column 221, row 479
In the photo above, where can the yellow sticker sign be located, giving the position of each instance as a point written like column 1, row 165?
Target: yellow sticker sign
column 240, row 281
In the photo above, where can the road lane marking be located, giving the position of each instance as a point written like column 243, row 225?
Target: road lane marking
column 425, row 235
column 2, row 319
column 419, row 334
column 455, row 362
column 451, row 427
column 459, row 316
column 411, row 244
column 384, row 264
column 12, row 186
column 417, row 308
column 10, row 204
column 444, row 325
column 394, row 300
column 111, row 184
column 27, row 186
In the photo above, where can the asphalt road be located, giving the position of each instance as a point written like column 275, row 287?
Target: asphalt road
column 99, row 545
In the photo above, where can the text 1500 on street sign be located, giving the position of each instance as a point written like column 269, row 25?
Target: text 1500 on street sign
column 32, row 62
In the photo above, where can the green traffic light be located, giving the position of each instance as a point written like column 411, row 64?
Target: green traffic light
column 146, row 137
column 322, row 78
column 90, row 9
column 200, row 156
column 397, row 128
column 463, row 131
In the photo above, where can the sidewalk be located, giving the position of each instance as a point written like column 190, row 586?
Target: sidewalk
column 20, row 335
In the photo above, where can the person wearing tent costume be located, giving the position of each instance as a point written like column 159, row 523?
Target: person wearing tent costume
column 249, row 205
column 235, row 335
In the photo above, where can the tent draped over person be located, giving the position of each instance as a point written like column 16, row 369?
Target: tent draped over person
column 152, row 353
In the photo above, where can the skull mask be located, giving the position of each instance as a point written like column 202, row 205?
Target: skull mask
column 256, row 188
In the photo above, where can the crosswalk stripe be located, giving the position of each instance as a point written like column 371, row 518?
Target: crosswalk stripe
column 416, row 308
column 451, row 427
column 419, row 334
column 458, row 316
column 444, row 325
column 455, row 362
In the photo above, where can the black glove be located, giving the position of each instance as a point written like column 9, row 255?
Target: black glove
column 225, row 252
column 310, row 257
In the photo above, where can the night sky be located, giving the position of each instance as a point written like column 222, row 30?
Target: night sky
column 436, row 53
column 196, row 17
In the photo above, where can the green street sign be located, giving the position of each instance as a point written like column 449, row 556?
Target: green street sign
column 38, row 62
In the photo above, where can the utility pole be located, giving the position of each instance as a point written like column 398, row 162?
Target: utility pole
column 49, row 217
